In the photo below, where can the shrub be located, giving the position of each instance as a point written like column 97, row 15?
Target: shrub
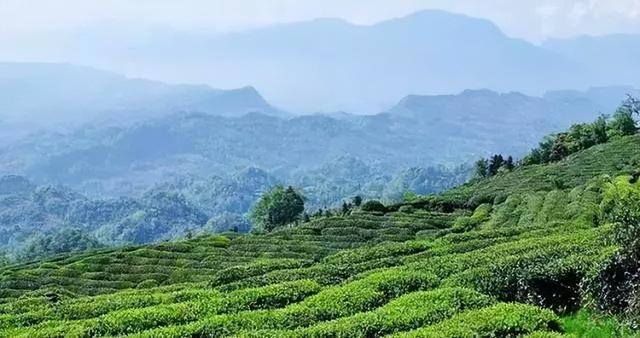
column 358, row 296
column 615, row 288
column 407, row 209
column 405, row 313
column 147, row 283
column 373, row 206
column 206, row 304
column 466, row 223
column 500, row 320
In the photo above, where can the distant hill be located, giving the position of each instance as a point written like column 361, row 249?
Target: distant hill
column 28, row 211
column 330, row 64
column 58, row 94
column 419, row 131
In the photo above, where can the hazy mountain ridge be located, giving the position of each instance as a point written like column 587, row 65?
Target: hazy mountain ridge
column 331, row 64
column 55, row 94
column 420, row 131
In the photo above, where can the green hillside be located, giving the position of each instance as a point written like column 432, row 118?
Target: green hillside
column 511, row 255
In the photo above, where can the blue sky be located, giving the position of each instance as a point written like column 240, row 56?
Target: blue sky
column 533, row 20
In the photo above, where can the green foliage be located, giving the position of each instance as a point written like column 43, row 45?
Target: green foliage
column 614, row 289
column 496, row 164
column 467, row 223
column 407, row 209
column 276, row 208
column 60, row 240
column 407, row 312
column 357, row 200
column 621, row 206
column 582, row 136
column 409, row 196
column 528, row 247
column 590, row 325
column 374, row 206
column 615, row 157
column 622, row 123
column 500, row 320
column 481, row 168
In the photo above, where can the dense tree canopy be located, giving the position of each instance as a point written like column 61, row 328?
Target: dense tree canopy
column 277, row 207
column 582, row 136
column 59, row 240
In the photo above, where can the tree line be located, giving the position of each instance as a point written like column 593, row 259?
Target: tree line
column 580, row 136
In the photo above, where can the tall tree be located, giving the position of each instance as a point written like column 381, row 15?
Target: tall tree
column 277, row 207
column 494, row 164
column 357, row 200
column 559, row 150
column 600, row 129
column 482, row 168
column 632, row 104
column 622, row 123
column 508, row 164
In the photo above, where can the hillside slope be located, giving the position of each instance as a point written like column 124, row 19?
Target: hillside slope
column 510, row 267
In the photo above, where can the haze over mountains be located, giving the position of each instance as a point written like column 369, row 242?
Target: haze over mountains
column 64, row 93
column 134, row 134
column 441, row 90
column 332, row 65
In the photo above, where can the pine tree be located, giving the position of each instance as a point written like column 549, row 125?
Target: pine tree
column 508, row 164
column 481, row 168
column 494, row 164
column 357, row 200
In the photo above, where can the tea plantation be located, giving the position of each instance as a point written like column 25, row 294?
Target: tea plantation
column 511, row 255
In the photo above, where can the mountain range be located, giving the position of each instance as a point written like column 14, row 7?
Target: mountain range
column 332, row 65
column 47, row 94
column 142, row 138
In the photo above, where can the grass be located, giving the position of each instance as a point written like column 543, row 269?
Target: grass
column 589, row 325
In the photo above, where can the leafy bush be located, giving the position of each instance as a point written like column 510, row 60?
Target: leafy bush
column 500, row 320
column 407, row 209
column 373, row 206
column 466, row 223
column 147, row 283
column 405, row 313
column 615, row 288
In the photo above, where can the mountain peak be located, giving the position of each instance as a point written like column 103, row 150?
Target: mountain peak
column 439, row 20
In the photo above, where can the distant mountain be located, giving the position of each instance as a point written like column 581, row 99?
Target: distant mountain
column 331, row 65
column 420, row 131
column 63, row 93
column 477, row 122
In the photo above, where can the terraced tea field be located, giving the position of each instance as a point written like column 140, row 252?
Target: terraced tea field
column 201, row 259
column 511, row 266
